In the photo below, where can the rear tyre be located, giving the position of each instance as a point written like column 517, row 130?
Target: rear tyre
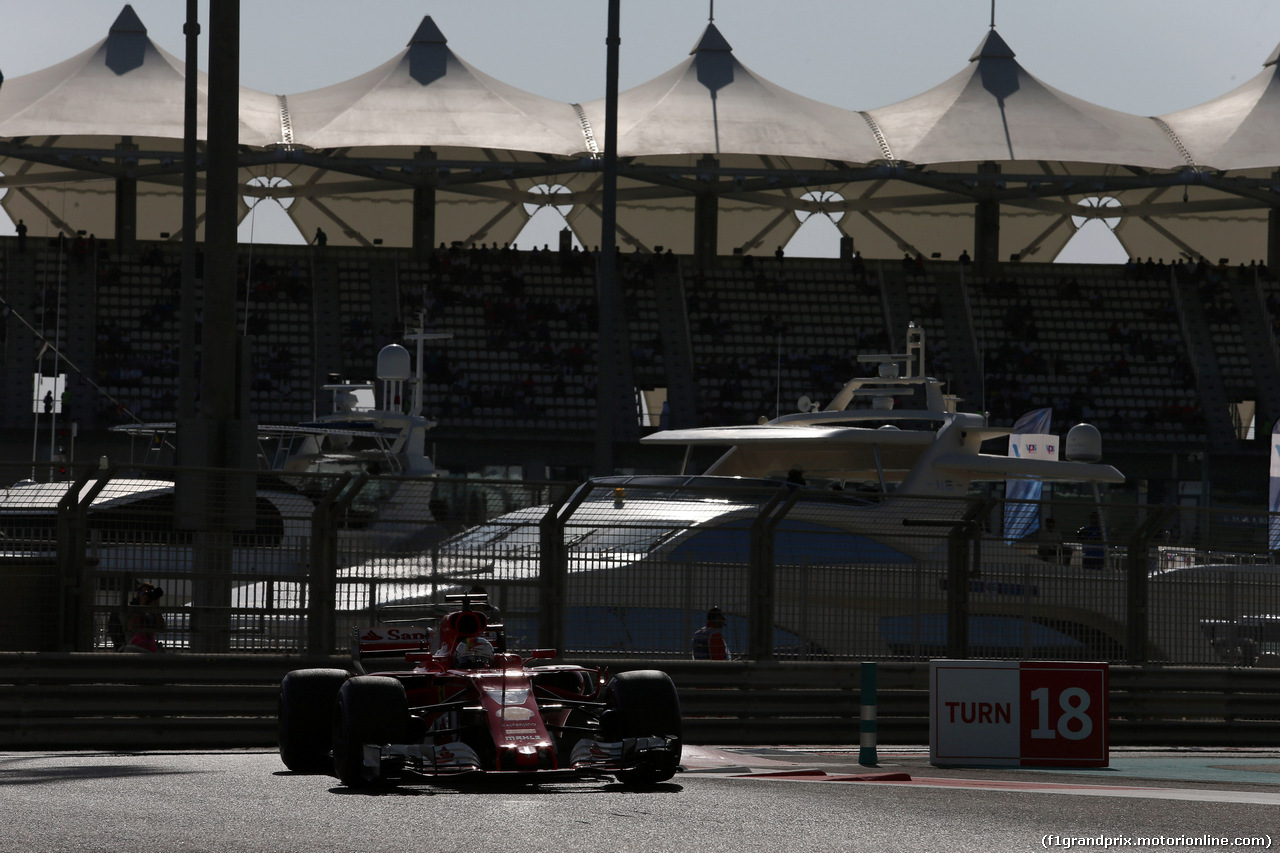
column 371, row 709
column 644, row 703
column 304, row 718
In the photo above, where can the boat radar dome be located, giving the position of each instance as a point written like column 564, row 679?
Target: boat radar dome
column 394, row 364
column 1084, row 443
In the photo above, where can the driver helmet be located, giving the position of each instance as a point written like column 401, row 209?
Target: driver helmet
column 473, row 653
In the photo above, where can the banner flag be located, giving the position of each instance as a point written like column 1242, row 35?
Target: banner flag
column 1030, row 439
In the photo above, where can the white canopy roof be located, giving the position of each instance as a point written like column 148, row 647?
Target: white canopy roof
column 712, row 104
column 994, row 110
column 122, row 86
column 900, row 177
column 427, row 96
column 1237, row 130
column 425, row 103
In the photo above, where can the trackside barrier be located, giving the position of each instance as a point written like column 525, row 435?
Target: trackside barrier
column 52, row 700
column 129, row 701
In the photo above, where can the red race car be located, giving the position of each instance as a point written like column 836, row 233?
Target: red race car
column 466, row 705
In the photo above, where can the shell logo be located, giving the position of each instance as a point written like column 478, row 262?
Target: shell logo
column 515, row 712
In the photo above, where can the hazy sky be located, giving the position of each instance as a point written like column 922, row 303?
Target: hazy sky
column 1142, row 56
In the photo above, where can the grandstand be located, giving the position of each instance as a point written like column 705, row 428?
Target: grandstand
column 714, row 163
column 1171, row 363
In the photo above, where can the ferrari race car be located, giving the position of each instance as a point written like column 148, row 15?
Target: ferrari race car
column 465, row 705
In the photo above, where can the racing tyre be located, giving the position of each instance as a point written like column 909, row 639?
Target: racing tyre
column 643, row 703
column 371, row 709
column 304, row 718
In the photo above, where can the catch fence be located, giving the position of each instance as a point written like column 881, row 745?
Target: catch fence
column 294, row 563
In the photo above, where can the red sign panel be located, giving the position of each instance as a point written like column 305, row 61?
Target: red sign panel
column 1064, row 714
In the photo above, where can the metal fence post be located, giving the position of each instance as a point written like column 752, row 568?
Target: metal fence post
column 76, row 587
column 962, row 543
column 762, row 570
column 1138, row 567
column 958, row 539
column 553, row 568
column 323, row 558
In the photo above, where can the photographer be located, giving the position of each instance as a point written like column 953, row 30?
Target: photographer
column 708, row 641
column 142, row 619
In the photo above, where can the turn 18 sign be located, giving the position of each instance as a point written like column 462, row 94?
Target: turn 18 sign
column 1019, row 713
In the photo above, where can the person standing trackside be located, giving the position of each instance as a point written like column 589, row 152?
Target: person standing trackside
column 708, row 641
column 143, row 619
column 1051, row 549
column 1093, row 551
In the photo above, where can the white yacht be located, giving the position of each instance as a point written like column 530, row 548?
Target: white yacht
column 860, row 496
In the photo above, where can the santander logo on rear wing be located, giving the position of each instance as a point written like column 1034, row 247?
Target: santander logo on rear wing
column 400, row 638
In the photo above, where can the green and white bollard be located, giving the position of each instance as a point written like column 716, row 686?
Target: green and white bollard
column 867, row 727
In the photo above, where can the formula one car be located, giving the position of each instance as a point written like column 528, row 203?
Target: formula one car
column 467, row 706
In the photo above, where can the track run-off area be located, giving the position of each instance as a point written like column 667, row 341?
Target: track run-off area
column 765, row 798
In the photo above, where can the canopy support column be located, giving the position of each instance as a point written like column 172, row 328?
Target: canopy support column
column 706, row 223
column 424, row 207
column 1273, row 232
column 126, row 198
column 986, row 224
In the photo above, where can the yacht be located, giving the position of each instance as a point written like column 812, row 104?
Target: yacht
column 864, row 497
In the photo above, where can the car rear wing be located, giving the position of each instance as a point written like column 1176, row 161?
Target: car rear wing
column 388, row 643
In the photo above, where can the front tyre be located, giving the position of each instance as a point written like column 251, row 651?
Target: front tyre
column 644, row 703
column 371, row 709
column 304, row 718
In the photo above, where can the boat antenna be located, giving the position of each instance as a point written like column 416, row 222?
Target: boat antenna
column 419, row 337
column 993, row 13
column 711, row 18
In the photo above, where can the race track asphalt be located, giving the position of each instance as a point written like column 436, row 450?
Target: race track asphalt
column 815, row 799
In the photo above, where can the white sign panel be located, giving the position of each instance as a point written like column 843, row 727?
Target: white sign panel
column 973, row 712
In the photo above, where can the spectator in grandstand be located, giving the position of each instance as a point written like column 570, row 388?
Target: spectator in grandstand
column 1068, row 288
column 858, row 266
column 708, row 641
column 21, row 229
column 770, row 326
column 79, row 248
column 321, row 239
